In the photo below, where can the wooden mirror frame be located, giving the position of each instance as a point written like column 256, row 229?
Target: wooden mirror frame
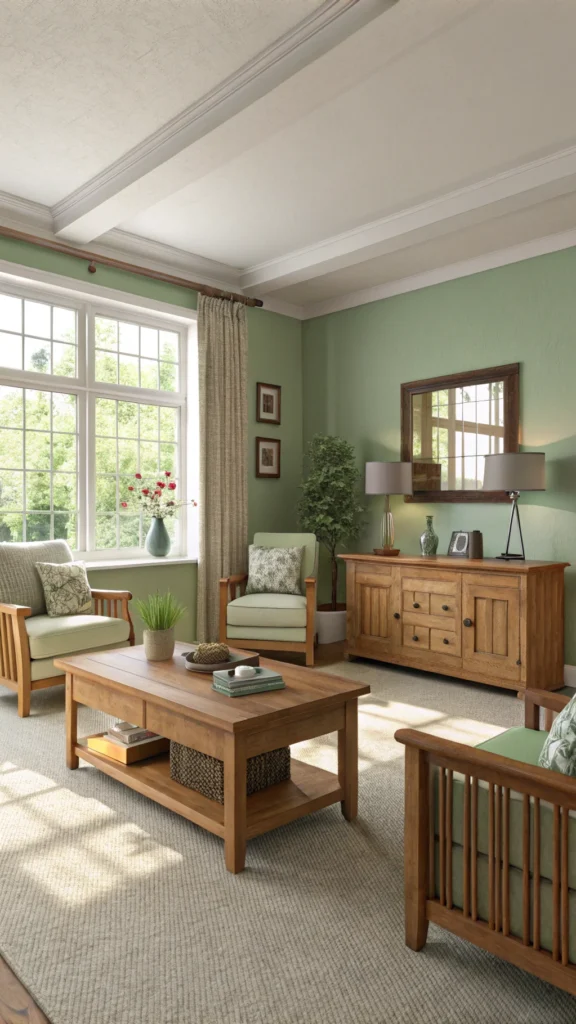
column 510, row 374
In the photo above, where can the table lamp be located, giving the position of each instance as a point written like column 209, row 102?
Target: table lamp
column 388, row 478
column 514, row 472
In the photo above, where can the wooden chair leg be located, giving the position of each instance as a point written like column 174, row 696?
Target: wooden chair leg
column 416, row 840
column 24, row 692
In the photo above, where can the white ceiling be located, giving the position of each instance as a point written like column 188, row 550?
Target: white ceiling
column 298, row 151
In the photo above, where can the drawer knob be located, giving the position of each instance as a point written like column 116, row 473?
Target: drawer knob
column 414, row 637
column 467, row 622
column 415, row 605
column 445, row 640
column 396, row 615
column 445, row 608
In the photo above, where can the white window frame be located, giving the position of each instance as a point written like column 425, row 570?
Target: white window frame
column 87, row 390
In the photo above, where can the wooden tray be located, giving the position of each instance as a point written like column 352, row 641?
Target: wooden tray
column 236, row 659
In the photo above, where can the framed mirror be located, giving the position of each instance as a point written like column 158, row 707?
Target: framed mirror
column 450, row 423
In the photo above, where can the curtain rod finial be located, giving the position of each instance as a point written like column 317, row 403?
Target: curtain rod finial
column 92, row 267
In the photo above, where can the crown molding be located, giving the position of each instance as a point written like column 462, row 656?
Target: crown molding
column 513, row 189
column 102, row 202
column 464, row 268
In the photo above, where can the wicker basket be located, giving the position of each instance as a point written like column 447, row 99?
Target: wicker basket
column 205, row 774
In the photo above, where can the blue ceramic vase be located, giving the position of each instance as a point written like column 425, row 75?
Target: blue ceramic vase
column 429, row 539
column 158, row 539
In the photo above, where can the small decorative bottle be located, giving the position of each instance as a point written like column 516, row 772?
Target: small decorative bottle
column 429, row 539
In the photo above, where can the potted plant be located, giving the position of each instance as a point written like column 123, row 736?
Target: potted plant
column 160, row 613
column 158, row 500
column 329, row 507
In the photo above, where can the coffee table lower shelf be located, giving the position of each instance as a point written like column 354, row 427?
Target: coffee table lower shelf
column 309, row 789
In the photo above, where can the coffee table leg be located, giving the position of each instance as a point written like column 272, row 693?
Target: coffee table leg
column 71, row 725
column 348, row 760
column 234, row 802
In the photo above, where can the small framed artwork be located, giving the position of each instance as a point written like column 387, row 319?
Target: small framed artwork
column 268, row 403
column 459, row 544
column 267, row 456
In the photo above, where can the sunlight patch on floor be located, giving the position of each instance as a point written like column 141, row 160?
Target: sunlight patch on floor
column 98, row 863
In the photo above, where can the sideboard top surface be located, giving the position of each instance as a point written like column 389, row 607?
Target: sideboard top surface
column 458, row 563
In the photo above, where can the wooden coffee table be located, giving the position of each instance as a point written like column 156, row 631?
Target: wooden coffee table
column 164, row 697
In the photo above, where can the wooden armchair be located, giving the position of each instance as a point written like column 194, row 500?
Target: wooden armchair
column 20, row 639
column 272, row 622
column 490, row 845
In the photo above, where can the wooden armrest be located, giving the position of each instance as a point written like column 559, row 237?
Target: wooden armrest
column 310, row 581
column 17, row 610
column 238, row 577
column 114, row 595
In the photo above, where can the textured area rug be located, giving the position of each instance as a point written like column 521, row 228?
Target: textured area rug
column 115, row 911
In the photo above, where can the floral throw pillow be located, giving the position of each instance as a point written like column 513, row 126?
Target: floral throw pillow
column 559, row 750
column 274, row 570
column 66, row 588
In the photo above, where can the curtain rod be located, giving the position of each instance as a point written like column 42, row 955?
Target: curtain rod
column 107, row 261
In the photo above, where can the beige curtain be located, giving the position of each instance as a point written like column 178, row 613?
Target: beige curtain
column 223, row 505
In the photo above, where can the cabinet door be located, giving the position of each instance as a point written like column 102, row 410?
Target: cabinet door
column 373, row 611
column 491, row 628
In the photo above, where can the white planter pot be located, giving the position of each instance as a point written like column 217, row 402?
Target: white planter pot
column 331, row 626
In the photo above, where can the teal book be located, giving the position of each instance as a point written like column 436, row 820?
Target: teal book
column 244, row 691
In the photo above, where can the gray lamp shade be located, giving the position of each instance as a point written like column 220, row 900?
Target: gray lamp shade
column 515, row 471
column 388, row 478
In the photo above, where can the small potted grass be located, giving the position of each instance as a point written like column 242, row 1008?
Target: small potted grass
column 160, row 613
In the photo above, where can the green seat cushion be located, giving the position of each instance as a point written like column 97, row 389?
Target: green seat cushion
column 520, row 745
column 294, row 636
column 44, row 668
column 515, row 894
column 65, row 634
column 19, row 578
column 283, row 610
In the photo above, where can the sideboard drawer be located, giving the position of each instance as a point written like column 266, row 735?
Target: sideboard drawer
column 444, row 641
column 416, row 636
column 443, row 604
column 430, row 585
column 112, row 702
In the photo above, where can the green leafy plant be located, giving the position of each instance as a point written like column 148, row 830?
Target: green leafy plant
column 160, row 611
column 329, row 505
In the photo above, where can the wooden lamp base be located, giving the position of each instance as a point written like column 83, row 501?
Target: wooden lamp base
column 386, row 551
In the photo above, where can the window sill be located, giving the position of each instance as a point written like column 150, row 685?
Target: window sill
column 131, row 563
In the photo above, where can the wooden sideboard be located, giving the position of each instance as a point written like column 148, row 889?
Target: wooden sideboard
column 487, row 620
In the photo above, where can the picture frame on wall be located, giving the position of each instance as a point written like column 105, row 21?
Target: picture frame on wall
column 268, row 402
column 267, row 457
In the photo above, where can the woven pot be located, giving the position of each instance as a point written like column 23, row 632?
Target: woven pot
column 159, row 644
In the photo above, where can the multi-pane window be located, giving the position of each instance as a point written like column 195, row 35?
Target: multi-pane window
column 38, row 465
column 37, row 336
column 130, row 438
column 70, row 449
column 135, row 355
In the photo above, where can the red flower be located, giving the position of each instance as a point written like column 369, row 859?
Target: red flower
column 145, row 491
column 172, row 486
column 138, row 476
column 130, row 488
column 157, row 493
column 124, row 504
column 160, row 485
column 167, row 473
column 169, row 504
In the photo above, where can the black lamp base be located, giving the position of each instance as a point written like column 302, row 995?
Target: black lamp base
column 508, row 556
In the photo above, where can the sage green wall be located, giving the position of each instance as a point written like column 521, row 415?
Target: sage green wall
column 142, row 580
column 354, row 362
column 274, row 356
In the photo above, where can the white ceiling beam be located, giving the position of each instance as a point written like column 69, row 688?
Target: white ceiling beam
column 522, row 186
column 129, row 185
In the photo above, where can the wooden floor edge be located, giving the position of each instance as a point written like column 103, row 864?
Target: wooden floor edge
column 16, row 1004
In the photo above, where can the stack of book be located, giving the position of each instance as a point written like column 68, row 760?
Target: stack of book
column 127, row 743
column 224, row 681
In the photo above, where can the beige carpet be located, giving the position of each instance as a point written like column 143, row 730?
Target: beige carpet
column 115, row 911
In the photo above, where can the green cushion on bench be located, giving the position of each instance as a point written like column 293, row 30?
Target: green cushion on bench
column 519, row 744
